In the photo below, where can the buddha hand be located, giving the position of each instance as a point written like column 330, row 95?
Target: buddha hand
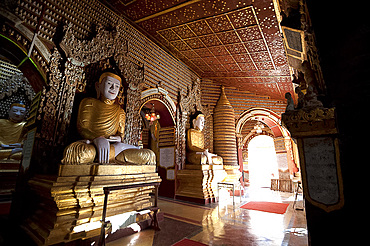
column 103, row 147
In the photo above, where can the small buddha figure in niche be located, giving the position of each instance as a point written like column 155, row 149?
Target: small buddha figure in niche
column 101, row 123
column 12, row 132
column 196, row 153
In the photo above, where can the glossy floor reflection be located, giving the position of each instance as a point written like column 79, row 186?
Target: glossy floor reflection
column 225, row 224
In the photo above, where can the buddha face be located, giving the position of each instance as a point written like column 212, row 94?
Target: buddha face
column 109, row 87
column 17, row 113
column 199, row 123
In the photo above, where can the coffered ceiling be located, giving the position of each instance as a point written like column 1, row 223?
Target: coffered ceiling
column 235, row 43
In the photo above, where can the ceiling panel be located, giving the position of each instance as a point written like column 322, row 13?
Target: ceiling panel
column 236, row 43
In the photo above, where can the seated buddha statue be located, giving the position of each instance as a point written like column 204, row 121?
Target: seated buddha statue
column 196, row 153
column 12, row 132
column 101, row 124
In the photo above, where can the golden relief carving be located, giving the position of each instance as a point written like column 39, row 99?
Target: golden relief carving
column 310, row 121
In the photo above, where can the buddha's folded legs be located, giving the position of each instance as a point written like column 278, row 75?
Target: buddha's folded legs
column 79, row 153
column 137, row 156
column 82, row 153
column 13, row 154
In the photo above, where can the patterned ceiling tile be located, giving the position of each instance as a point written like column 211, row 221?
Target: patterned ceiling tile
column 180, row 45
column 200, row 28
column 190, row 54
column 226, row 59
column 219, row 23
column 169, row 34
column 256, row 45
column 203, row 52
column 242, row 18
column 210, row 40
column 241, row 58
column 264, row 65
column 260, row 56
column 183, row 31
column 205, row 69
column 236, row 48
column 219, row 68
column 247, row 66
column 229, row 37
column 232, row 67
column 211, row 60
column 218, row 50
column 198, row 62
column 194, row 43
column 250, row 33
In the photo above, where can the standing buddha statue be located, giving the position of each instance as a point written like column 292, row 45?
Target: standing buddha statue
column 101, row 124
column 196, row 152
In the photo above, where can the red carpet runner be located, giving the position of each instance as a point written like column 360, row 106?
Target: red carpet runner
column 188, row 242
column 270, row 207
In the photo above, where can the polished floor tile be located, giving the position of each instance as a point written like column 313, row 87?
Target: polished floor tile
column 226, row 224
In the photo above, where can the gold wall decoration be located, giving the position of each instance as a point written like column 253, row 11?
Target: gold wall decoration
column 224, row 136
column 59, row 95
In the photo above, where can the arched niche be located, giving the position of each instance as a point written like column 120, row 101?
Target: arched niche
column 24, row 49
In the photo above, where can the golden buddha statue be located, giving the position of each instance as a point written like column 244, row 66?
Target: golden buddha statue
column 12, row 132
column 196, row 153
column 101, row 123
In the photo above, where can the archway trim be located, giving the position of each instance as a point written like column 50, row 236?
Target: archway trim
column 161, row 95
column 267, row 116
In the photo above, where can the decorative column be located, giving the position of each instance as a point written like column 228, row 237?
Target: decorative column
column 317, row 136
column 224, row 137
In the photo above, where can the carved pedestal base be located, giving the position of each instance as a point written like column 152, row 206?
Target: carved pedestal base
column 198, row 183
column 75, row 198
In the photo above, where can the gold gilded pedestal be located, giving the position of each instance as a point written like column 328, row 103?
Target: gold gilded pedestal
column 198, row 183
column 75, row 197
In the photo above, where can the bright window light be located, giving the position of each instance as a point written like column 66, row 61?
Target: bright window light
column 262, row 161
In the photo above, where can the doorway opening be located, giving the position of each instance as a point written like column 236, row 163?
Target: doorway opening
column 157, row 134
column 263, row 164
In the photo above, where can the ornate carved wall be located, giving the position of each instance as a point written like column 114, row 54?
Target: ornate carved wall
column 74, row 39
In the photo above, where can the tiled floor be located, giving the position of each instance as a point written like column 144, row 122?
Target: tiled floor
column 225, row 224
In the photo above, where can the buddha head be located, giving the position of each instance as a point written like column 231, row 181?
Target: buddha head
column 198, row 120
column 108, row 86
column 17, row 112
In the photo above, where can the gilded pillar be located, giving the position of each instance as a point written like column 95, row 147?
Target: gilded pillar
column 224, row 136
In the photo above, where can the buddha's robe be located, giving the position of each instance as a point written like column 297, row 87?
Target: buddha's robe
column 195, row 145
column 99, row 119
column 11, row 133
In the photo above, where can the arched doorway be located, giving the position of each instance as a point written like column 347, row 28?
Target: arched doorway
column 257, row 121
column 159, row 135
column 262, row 162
